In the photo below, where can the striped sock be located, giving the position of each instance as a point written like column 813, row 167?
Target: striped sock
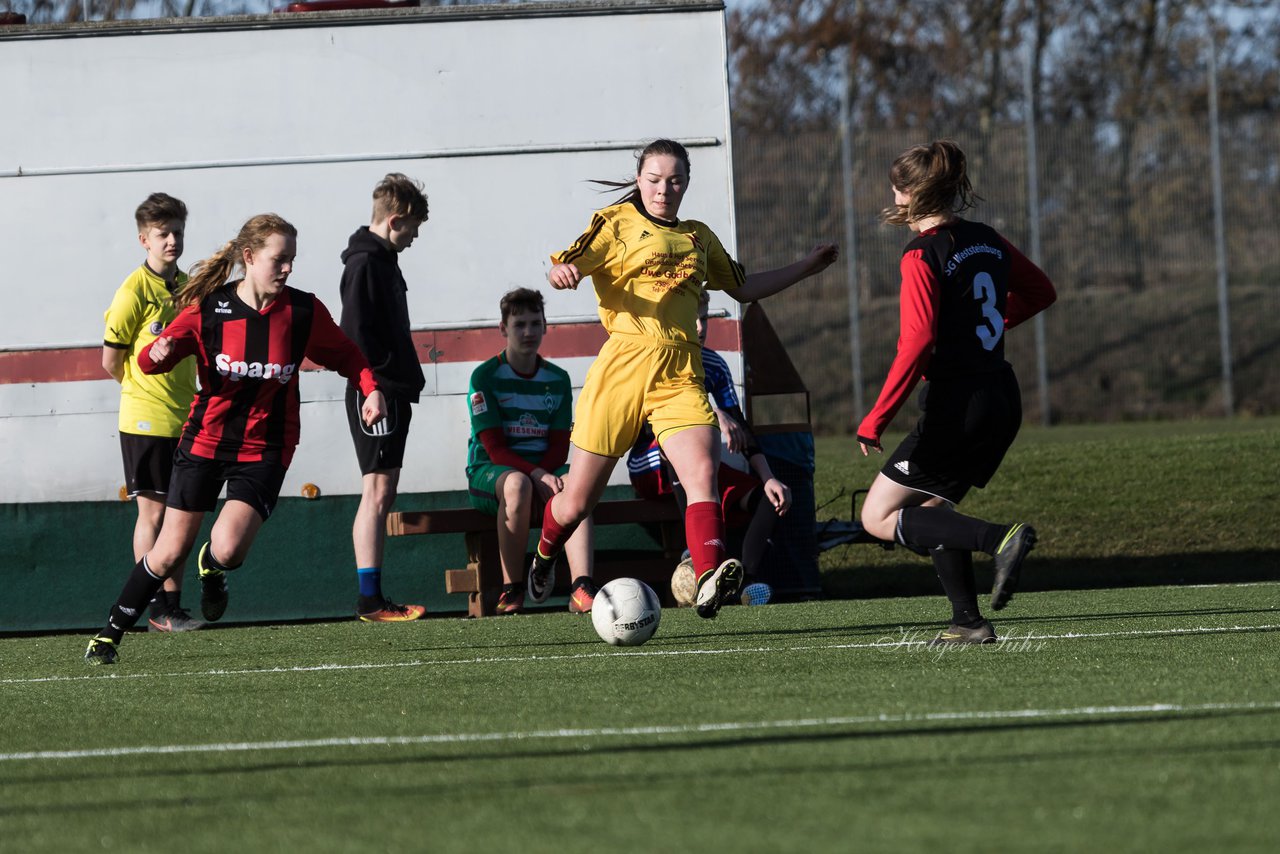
column 139, row 589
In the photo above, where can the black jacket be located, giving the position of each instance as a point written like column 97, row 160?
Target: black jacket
column 375, row 314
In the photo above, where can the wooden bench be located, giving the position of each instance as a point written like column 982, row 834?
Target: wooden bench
column 482, row 579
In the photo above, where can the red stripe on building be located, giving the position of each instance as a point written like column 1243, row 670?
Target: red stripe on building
column 563, row 341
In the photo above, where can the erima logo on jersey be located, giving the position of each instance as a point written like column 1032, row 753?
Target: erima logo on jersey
column 224, row 307
column 478, row 405
column 238, row 370
column 902, row 466
column 156, row 327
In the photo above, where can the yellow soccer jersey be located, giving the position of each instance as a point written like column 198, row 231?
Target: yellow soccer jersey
column 149, row 405
column 648, row 276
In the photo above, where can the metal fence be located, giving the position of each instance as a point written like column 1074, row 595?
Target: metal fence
column 1139, row 329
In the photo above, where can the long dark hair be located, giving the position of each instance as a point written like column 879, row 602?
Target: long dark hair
column 936, row 177
column 657, row 147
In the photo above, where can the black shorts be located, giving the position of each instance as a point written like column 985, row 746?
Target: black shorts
column 382, row 445
column 967, row 426
column 197, row 481
column 148, row 462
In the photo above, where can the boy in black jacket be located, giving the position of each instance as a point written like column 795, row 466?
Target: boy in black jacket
column 375, row 315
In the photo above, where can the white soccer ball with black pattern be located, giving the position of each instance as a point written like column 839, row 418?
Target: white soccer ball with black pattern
column 626, row 612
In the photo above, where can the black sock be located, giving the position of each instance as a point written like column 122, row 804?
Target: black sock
column 369, row 604
column 755, row 542
column 943, row 528
column 129, row 608
column 955, row 571
column 159, row 605
column 174, row 599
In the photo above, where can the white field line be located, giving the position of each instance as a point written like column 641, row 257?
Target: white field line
column 905, row 639
column 1169, row 709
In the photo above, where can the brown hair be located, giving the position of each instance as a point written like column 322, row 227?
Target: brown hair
column 213, row 272
column 522, row 299
column 657, row 147
column 158, row 208
column 399, row 195
column 935, row 176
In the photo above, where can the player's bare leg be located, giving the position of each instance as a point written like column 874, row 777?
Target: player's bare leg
column 369, row 537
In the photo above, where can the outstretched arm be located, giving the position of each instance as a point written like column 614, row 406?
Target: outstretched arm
column 766, row 284
column 180, row 339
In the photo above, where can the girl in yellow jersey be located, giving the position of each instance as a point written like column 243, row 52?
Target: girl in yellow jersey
column 649, row 268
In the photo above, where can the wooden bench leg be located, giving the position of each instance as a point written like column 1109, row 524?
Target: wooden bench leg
column 484, row 561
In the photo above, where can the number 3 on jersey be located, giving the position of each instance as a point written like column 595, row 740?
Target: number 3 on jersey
column 992, row 327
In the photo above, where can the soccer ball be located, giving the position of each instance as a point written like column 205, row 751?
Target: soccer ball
column 684, row 587
column 626, row 612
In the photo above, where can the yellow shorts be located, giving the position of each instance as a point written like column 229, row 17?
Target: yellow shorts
column 637, row 379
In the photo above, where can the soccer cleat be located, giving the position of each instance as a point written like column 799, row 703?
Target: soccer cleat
column 176, row 620
column 582, row 597
column 718, row 586
column 213, row 588
column 390, row 612
column 1020, row 540
column 756, row 593
column 541, row 578
column 511, row 600
column 101, row 651
column 984, row 632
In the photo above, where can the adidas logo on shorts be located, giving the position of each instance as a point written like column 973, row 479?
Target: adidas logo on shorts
column 902, row 466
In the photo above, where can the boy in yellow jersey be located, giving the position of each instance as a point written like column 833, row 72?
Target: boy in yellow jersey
column 649, row 269
column 152, row 407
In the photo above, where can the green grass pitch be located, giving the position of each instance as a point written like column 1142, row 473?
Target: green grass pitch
column 1134, row 704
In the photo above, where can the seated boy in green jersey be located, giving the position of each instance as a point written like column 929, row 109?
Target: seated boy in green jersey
column 521, row 412
column 153, row 407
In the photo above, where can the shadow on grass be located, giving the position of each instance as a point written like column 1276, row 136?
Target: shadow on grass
column 1009, row 731
column 915, row 577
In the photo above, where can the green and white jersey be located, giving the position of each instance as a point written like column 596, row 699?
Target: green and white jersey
column 527, row 408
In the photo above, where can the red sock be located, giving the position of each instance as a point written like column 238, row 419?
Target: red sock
column 554, row 535
column 704, row 534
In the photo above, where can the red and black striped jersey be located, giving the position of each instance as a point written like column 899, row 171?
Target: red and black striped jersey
column 963, row 285
column 248, row 363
